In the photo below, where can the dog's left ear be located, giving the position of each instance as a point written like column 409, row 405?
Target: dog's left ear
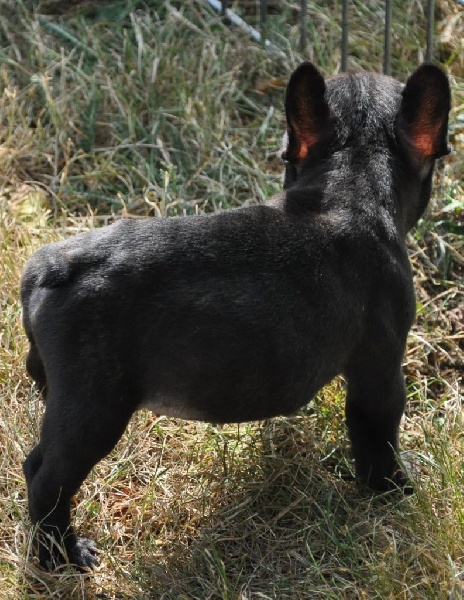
column 308, row 114
column 423, row 117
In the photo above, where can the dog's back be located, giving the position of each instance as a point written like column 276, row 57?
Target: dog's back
column 234, row 298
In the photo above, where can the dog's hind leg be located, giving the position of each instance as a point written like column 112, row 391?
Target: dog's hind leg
column 374, row 406
column 35, row 368
column 77, row 432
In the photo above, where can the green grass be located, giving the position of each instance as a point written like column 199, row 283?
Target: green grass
column 158, row 108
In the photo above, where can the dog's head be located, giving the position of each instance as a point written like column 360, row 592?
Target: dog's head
column 360, row 123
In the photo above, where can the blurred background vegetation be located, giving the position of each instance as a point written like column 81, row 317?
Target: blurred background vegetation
column 162, row 107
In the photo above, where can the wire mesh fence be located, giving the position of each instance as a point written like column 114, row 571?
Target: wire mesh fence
column 261, row 36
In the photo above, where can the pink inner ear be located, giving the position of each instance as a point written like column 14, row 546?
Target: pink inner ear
column 306, row 141
column 303, row 151
column 423, row 144
column 424, row 139
column 425, row 131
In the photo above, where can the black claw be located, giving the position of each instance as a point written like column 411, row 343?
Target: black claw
column 83, row 554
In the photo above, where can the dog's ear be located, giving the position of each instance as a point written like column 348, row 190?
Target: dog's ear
column 307, row 111
column 423, row 117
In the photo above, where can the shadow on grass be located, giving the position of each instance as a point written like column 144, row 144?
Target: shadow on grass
column 271, row 520
column 284, row 526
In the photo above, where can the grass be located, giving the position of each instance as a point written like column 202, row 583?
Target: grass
column 158, row 108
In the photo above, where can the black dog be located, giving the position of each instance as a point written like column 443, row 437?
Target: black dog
column 246, row 314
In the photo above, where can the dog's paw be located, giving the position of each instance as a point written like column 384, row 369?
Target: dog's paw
column 73, row 551
column 83, row 554
column 402, row 481
column 384, row 478
column 398, row 482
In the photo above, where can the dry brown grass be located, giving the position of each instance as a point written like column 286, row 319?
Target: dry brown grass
column 186, row 510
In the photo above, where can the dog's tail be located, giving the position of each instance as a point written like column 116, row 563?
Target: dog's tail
column 47, row 268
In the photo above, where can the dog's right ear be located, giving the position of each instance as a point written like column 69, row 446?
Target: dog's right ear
column 307, row 111
column 423, row 117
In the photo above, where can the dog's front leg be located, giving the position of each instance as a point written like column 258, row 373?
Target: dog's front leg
column 374, row 406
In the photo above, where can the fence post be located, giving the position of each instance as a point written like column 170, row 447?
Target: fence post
column 344, row 35
column 430, row 28
column 303, row 34
column 387, row 38
column 262, row 20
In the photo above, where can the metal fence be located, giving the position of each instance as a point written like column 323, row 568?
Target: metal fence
column 261, row 35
